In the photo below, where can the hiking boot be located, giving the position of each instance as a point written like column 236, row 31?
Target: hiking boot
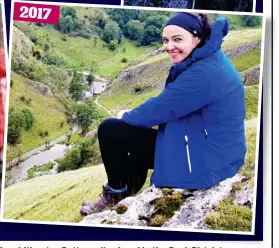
column 109, row 198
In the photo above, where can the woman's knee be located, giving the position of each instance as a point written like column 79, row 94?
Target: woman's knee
column 109, row 127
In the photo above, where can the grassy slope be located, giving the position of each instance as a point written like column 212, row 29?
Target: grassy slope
column 59, row 197
column 77, row 49
column 237, row 38
column 56, row 197
column 82, row 51
column 125, row 101
column 247, row 60
column 48, row 114
column 252, row 99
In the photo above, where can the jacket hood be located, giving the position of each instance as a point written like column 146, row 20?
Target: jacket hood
column 219, row 29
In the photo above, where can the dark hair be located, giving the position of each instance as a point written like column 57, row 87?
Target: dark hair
column 206, row 28
column 206, row 25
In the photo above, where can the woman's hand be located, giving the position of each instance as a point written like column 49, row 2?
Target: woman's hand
column 121, row 113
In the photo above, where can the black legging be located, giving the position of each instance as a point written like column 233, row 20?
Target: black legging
column 127, row 153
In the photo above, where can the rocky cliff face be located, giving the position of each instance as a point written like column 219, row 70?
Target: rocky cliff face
column 238, row 51
column 22, row 45
column 173, row 208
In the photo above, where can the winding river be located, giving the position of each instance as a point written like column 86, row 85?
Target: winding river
column 38, row 156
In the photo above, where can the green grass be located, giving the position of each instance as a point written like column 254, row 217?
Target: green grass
column 129, row 101
column 79, row 50
column 125, row 101
column 247, row 60
column 58, row 197
column 237, row 38
column 230, row 218
column 40, row 168
column 54, row 197
column 83, row 52
column 252, row 101
column 48, row 114
column 114, row 67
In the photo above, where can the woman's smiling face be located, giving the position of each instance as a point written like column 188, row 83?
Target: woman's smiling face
column 178, row 43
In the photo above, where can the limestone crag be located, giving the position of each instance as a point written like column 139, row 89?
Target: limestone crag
column 244, row 196
column 42, row 88
column 240, row 50
column 252, row 76
column 198, row 205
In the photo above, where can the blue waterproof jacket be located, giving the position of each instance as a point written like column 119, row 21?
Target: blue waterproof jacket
column 200, row 113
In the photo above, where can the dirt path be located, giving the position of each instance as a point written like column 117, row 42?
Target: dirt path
column 101, row 106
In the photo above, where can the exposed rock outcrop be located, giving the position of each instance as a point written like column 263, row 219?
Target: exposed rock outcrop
column 252, row 76
column 244, row 197
column 22, row 45
column 140, row 210
column 42, row 88
column 238, row 51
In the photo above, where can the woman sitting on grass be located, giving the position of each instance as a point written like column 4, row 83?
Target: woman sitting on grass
column 201, row 136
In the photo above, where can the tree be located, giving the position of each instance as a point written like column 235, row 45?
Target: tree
column 76, row 90
column 78, row 156
column 151, row 34
column 15, row 126
column 38, row 52
column 152, row 29
column 69, row 11
column 111, row 32
column 29, row 118
column 251, row 21
column 156, row 20
column 122, row 17
column 66, row 24
column 93, row 70
column 135, row 30
column 100, row 19
column 34, row 69
column 112, row 45
column 59, row 78
column 85, row 116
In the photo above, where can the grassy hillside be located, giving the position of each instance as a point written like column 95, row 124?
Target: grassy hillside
column 59, row 197
column 237, row 38
column 56, row 197
column 127, row 101
column 247, row 60
column 48, row 114
column 83, row 52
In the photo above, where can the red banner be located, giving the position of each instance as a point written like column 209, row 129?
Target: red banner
column 43, row 13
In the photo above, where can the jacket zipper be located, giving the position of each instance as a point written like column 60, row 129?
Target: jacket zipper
column 206, row 134
column 188, row 154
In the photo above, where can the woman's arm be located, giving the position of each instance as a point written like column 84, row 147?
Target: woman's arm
column 188, row 93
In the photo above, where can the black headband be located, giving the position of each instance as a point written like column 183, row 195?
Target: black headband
column 189, row 22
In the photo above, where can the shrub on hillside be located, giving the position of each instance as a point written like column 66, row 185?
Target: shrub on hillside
column 78, row 156
column 251, row 21
column 28, row 118
column 112, row 45
column 38, row 52
column 85, row 116
column 58, row 79
column 15, row 126
column 111, row 32
column 64, row 37
column 54, row 57
column 124, row 60
column 34, row 69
